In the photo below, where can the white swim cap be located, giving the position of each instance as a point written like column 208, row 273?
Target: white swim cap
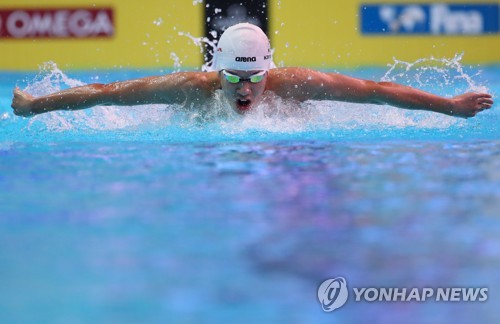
column 243, row 47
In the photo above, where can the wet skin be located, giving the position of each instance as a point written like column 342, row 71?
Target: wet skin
column 298, row 84
column 244, row 94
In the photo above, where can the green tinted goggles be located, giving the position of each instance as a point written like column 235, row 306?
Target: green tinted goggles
column 231, row 78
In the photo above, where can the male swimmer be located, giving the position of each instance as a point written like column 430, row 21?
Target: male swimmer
column 244, row 73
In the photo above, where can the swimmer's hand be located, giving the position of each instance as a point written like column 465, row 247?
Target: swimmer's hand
column 22, row 103
column 469, row 104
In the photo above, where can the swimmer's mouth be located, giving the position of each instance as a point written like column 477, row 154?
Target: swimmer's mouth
column 243, row 104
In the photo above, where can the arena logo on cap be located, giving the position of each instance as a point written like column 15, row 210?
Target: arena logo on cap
column 56, row 23
column 246, row 59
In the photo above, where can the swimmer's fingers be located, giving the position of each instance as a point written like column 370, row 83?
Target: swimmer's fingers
column 485, row 102
column 482, row 102
column 469, row 104
column 19, row 93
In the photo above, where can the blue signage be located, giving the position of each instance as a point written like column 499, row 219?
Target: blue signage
column 430, row 19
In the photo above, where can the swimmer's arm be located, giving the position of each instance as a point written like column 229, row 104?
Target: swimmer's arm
column 314, row 85
column 175, row 88
column 363, row 91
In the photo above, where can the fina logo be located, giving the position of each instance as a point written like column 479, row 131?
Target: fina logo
column 434, row 18
column 332, row 294
column 408, row 18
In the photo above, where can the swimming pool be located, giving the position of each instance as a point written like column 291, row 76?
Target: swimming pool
column 144, row 213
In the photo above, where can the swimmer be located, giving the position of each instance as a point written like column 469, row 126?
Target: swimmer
column 243, row 71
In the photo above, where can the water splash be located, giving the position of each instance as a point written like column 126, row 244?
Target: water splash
column 50, row 79
column 177, row 62
column 158, row 21
column 206, row 46
column 274, row 116
column 434, row 72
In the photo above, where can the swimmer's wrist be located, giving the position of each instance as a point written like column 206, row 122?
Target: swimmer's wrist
column 40, row 105
column 447, row 107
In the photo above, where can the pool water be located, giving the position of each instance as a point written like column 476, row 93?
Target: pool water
column 122, row 214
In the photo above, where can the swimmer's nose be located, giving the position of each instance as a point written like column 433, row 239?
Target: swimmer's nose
column 244, row 88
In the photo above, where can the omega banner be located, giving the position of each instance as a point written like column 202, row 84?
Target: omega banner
column 56, row 23
column 221, row 14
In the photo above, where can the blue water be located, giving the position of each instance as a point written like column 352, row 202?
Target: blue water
column 122, row 214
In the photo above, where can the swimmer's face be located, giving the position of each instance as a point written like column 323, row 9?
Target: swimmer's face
column 244, row 94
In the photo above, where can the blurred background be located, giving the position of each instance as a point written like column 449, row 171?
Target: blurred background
column 123, row 214
column 154, row 34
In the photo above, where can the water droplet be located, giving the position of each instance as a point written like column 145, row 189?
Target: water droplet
column 158, row 21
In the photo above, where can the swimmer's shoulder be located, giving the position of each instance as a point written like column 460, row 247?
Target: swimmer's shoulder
column 296, row 82
column 287, row 76
column 290, row 72
column 211, row 81
column 204, row 82
column 197, row 87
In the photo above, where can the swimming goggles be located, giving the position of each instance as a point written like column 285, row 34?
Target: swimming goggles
column 231, row 78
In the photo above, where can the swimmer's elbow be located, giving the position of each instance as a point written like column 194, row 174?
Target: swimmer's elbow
column 379, row 92
column 104, row 93
column 366, row 92
column 116, row 93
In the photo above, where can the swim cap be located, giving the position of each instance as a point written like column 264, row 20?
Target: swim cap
column 243, row 47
